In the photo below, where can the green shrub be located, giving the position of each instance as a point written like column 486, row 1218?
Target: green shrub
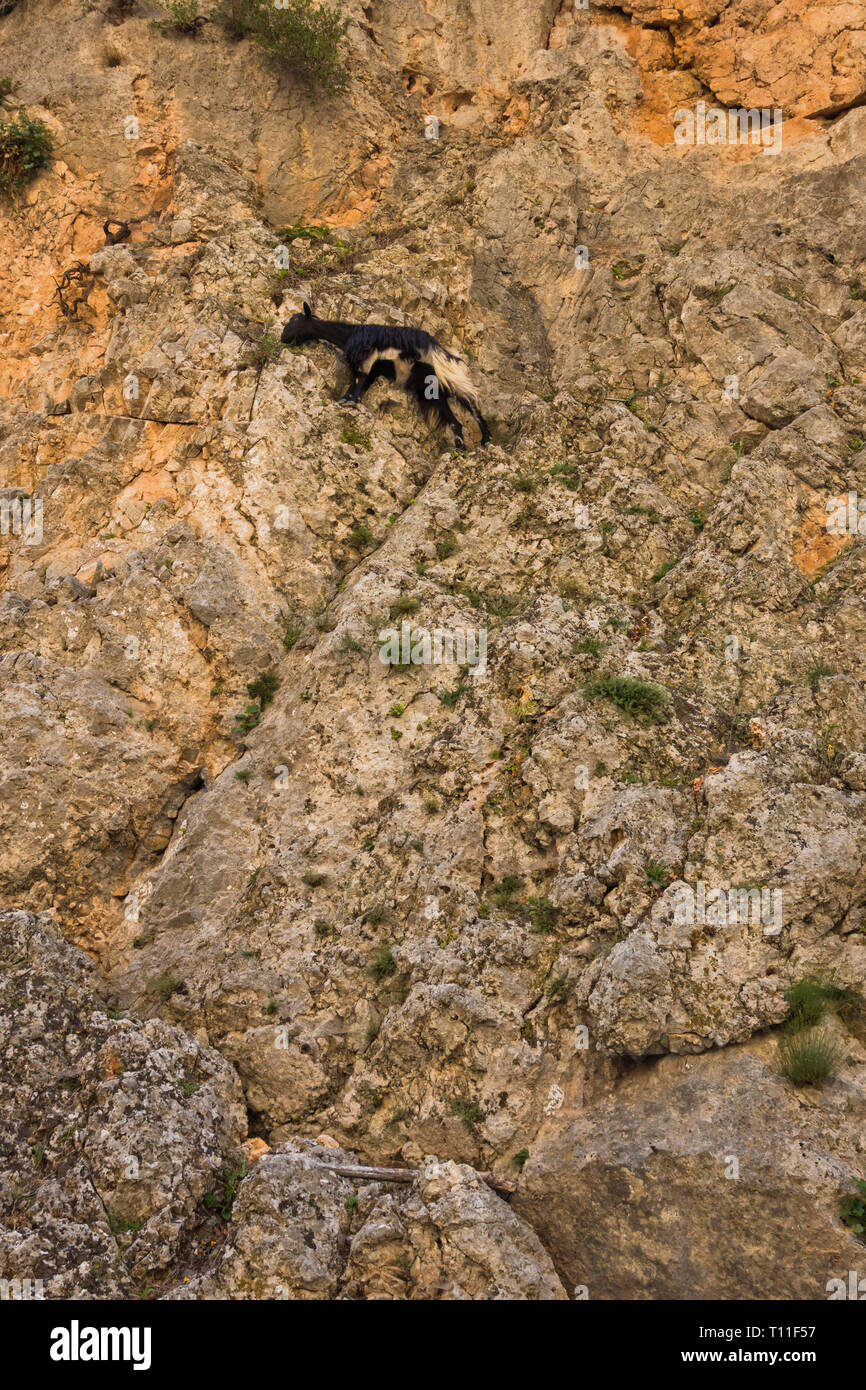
column 636, row 699
column 567, row 474
column 232, row 16
column 572, row 588
column 264, row 687
column 223, row 1201
column 445, row 548
column 384, row 963
column 559, row 987
column 662, row 571
column 809, row 1057
column 183, row 16
column 115, row 9
column 25, row 147
column 851, row 1009
column 542, row 914
column 589, row 646
column 310, row 231
column 504, row 892
column 302, row 36
column 403, row 606
column 449, row 698
column 498, row 605
column 469, row 1111
column 853, row 1209
column 165, row 985
column 817, row 673
column 265, row 350
column 375, row 913
column 122, row 1225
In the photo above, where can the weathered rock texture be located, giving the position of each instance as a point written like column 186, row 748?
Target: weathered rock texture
column 113, row 1131
column 423, row 910
column 301, row 1231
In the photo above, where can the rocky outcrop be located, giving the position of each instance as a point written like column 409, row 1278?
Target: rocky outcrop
column 301, row 1230
column 113, row 1130
column 804, row 57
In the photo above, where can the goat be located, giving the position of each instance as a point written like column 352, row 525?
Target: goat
column 408, row 356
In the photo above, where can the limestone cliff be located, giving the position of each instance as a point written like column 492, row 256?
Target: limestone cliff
column 539, row 917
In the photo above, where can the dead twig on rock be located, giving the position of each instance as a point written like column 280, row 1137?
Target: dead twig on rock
column 364, row 1173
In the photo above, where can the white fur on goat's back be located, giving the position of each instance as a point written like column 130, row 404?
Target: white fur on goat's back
column 454, row 374
column 401, row 366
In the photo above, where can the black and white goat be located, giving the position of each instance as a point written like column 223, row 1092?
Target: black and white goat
column 408, row 356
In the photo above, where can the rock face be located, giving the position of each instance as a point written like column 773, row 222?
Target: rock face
column 690, row 1180
column 302, row 1231
column 113, row 1130
column 534, row 908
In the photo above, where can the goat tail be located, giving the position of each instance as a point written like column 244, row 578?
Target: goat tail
column 454, row 376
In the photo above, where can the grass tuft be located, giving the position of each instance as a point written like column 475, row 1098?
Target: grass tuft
column 810, row 1057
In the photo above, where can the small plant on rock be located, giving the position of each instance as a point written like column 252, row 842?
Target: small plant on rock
column 808, row 999
column 264, row 687
column 853, row 1209
column 383, row 964
column 360, row 537
column 817, row 673
column 360, row 439
column 542, row 914
column 589, row 646
column 810, row 1057
column 183, row 17
column 25, row 147
column 375, row 914
column 267, row 349
column 248, row 719
column 445, row 548
column 165, row 985
column 657, row 872
column 504, row 892
column 634, row 698
column 469, row 1111
column 222, row 1201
